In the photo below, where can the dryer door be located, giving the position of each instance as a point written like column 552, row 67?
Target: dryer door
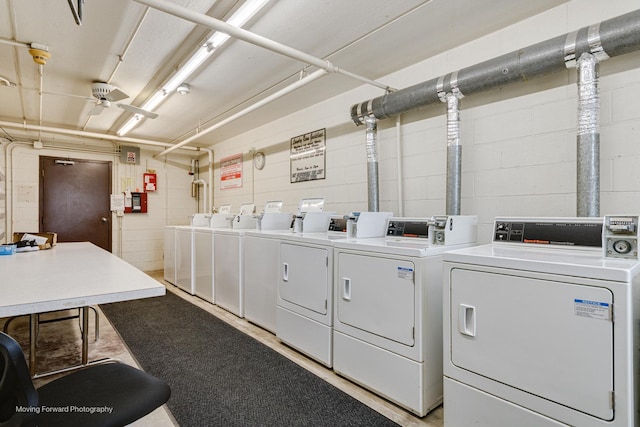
column 304, row 277
column 549, row 338
column 377, row 295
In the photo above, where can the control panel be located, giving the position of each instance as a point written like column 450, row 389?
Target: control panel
column 585, row 232
column 413, row 228
column 437, row 230
column 620, row 236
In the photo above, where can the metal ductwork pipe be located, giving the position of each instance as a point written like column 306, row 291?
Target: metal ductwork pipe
column 454, row 155
column 372, row 164
column 584, row 48
column 617, row 36
column 588, row 139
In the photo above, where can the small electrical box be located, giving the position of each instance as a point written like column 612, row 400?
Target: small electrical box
column 620, row 236
column 136, row 203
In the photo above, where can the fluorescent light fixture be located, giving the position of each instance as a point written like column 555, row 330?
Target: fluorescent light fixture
column 217, row 39
column 131, row 123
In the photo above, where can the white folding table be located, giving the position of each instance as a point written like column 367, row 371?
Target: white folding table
column 70, row 275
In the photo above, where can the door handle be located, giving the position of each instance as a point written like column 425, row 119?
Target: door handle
column 346, row 289
column 103, row 219
column 467, row 320
column 285, row 271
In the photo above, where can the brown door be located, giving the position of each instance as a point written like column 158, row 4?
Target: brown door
column 75, row 200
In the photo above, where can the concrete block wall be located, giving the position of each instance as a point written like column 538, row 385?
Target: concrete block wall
column 519, row 142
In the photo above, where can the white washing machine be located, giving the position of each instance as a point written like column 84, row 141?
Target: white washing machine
column 203, row 246
column 261, row 265
column 170, row 254
column 388, row 308
column 540, row 328
column 203, row 263
column 184, row 258
column 228, row 261
column 304, row 316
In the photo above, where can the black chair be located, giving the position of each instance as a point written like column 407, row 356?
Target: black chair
column 109, row 394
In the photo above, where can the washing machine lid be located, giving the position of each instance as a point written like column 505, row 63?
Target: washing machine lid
column 401, row 247
column 562, row 261
column 326, row 238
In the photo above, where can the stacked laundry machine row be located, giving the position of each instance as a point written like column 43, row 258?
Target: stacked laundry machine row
column 359, row 293
column 188, row 249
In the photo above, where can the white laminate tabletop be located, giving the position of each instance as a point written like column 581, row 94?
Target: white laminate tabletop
column 67, row 276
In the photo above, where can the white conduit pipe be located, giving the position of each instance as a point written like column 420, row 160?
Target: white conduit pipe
column 306, row 80
column 93, row 135
column 255, row 39
column 372, row 164
column 14, row 43
column 588, row 138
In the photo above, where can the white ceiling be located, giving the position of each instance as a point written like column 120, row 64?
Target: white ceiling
column 371, row 38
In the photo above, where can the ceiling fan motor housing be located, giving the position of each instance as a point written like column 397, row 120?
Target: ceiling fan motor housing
column 101, row 90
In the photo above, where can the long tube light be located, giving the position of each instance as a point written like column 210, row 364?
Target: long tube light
column 217, row 39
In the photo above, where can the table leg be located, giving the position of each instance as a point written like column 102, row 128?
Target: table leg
column 33, row 328
column 85, row 335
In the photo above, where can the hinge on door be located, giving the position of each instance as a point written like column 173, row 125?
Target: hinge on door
column 612, row 399
column 611, row 312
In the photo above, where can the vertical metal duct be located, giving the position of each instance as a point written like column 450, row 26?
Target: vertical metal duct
column 588, row 138
column 454, row 154
column 372, row 164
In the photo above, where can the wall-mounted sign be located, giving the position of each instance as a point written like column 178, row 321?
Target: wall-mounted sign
column 231, row 172
column 307, row 156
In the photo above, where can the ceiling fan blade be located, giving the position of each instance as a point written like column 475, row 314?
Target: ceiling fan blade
column 116, row 95
column 97, row 109
column 137, row 110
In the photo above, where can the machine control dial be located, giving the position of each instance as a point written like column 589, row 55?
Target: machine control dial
column 622, row 246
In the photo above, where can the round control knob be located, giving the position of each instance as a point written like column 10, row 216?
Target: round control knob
column 622, row 246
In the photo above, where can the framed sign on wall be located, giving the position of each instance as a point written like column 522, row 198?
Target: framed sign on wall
column 231, row 172
column 308, row 162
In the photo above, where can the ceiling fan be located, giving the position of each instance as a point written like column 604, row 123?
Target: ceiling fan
column 108, row 95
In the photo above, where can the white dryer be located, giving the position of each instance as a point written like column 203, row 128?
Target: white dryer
column 304, row 317
column 303, row 312
column 541, row 329
column 388, row 308
column 261, row 252
column 228, row 261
